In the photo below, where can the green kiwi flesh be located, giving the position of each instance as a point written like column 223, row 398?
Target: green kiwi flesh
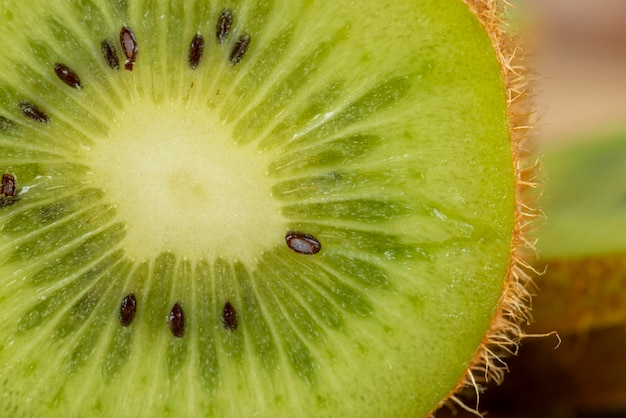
column 247, row 208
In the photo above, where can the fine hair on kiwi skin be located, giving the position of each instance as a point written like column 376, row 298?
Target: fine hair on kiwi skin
column 513, row 312
column 309, row 285
column 506, row 332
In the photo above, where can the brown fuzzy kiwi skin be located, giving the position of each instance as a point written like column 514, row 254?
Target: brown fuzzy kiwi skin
column 513, row 310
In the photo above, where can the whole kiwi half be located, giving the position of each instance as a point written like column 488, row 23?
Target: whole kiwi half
column 276, row 208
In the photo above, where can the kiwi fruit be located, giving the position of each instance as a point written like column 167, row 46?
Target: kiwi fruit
column 254, row 207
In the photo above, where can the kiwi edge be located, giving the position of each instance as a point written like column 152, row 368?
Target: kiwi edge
column 513, row 311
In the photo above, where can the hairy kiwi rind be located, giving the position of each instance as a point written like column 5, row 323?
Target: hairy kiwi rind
column 234, row 286
column 513, row 312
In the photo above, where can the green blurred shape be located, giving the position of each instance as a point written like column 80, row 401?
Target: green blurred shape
column 585, row 197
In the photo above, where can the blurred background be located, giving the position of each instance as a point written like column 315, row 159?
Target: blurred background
column 578, row 53
column 580, row 56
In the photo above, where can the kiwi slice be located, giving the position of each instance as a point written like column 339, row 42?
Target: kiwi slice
column 249, row 207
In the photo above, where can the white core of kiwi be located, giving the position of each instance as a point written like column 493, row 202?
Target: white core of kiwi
column 199, row 197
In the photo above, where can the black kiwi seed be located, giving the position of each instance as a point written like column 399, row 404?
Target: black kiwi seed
column 8, row 190
column 196, row 49
column 229, row 317
column 302, row 243
column 128, row 309
column 32, row 112
column 110, row 55
column 8, row 186
column 224, row 23
column 67, row 75
column 176, row 321
column 129, row 46
column 240, row 48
